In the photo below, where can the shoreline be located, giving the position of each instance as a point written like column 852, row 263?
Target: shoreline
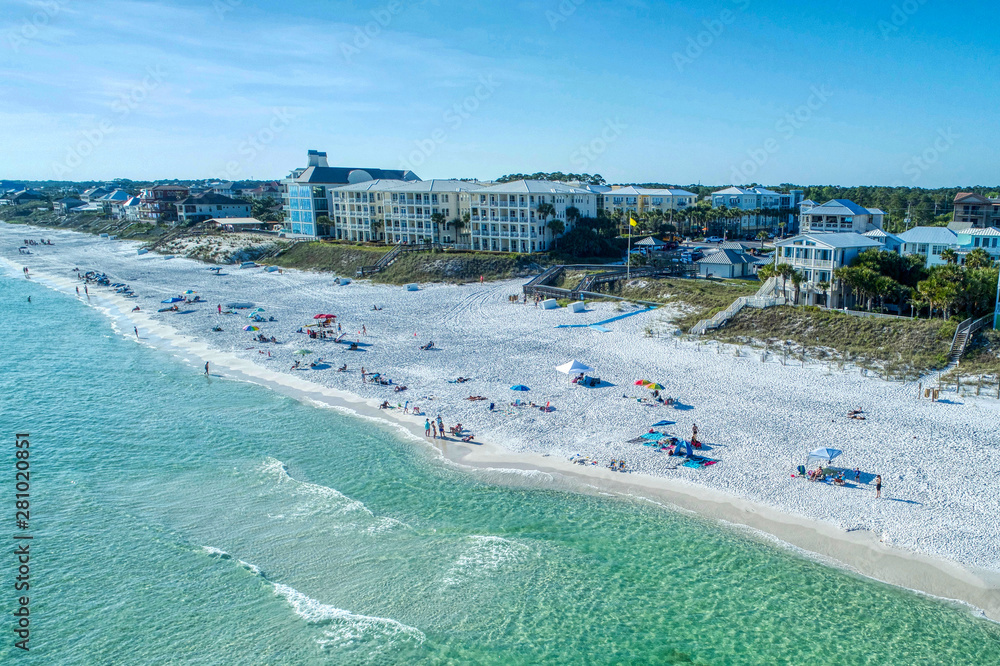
column 857, row 550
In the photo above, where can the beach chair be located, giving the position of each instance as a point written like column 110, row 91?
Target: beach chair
column 802, row 470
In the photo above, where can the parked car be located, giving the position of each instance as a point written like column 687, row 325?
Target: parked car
column 715, row 239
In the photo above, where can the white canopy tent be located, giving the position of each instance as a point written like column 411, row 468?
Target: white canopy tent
column 823, row 454
column 573, row 367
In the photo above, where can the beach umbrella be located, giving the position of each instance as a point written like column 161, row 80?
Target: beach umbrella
column 175, row 299
column 190, row 291
column 259, row 310
column 325, row 316
column 573, row 367
column 250, row 328
column 303, row 352
column 654, row 387
column 519, row 387
column 653, row 435
column 641, row 382
column 663, row 423
column 824, row 454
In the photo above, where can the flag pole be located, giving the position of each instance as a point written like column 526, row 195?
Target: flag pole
column 628, row 256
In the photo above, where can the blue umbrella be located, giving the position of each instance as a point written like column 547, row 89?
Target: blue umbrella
column 175, row 299
column 653, row 435
column 662, row 423
column 688, row 449
column 519, row 387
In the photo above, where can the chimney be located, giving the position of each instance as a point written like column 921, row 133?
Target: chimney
column 317, row 159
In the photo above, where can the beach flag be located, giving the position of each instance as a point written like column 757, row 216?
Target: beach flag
column 631, row 220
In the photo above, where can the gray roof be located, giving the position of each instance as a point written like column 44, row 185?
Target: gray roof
column 932, row 235
column 655, row 242
column 987, row 231
column 747, row 190
column 834, row 240
column 533, row 187
column 439, row 185
column 881, row 233
column 345, row 175
column 370, row 185
column 633, row 191
column 210, row 198
column 838, row 207
column 727, row 257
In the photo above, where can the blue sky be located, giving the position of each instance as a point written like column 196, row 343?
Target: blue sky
column 724, row 91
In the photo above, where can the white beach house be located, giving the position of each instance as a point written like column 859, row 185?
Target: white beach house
column 817, row 256
column 840, row 216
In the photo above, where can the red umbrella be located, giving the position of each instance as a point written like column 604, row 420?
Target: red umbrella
column 325, row 316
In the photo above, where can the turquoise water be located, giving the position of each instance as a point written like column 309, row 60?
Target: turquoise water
column 190, row 520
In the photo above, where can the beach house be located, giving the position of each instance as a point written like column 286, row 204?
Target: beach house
column 976, row 211
column 841, row 216
column 929, row 242
column 520, row 216
column 306, row 193
column 428, row 211
column 987, row 238
column 202, row 207
column 158, row 203
column 816, row 256
column 727, row 263
column 890, row 242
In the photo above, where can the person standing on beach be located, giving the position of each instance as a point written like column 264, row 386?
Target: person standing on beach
column 364, row 331
column 220, row 308
column 77, row 291
column 857, row 475
column 364, row 376
column 427, row 428
column 878, row 486
column 136, row 329
column 206, row 367
column 440, row 426
column 406, row 407
column 85, row 290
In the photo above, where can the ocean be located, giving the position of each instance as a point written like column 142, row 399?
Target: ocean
column 185, row 519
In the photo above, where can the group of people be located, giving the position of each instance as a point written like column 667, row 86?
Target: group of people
column 41, row 241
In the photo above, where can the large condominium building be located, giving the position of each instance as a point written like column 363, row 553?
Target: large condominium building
column 412, row 208
column 505, row 217
column 974, row 210
column 306, row 195
column 397, row 211
column 840, row 215
column 760, row 198
column 641, row 200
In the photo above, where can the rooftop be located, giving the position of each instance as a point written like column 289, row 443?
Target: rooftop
column 533, row 187
column 350, row 175
column 832, row 240
column 934, row 235
column 728, row 257
column 839, row 207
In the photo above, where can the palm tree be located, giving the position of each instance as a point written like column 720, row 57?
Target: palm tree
column 545, row 211
column 557, row 227
column 978, row 258
column 824, row 287
column 950, row 256
column 797, row 279
column 762, row 236
column 438, row 220
column 572, row 215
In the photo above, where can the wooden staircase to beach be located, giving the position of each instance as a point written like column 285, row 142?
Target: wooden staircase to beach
column 964, row 334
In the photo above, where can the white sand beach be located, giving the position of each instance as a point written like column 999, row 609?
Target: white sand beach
column 934, row 529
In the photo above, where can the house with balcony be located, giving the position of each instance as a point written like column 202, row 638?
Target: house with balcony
column 760, row 199
column 641, row 200
column 840, row 216
column 505, row 217
column 306, row 192
column 158, row 203
column 987, row 239
column 929, row 243
column 202, row 207
column 976, row 211
column 412, row 207
column 817, row 256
